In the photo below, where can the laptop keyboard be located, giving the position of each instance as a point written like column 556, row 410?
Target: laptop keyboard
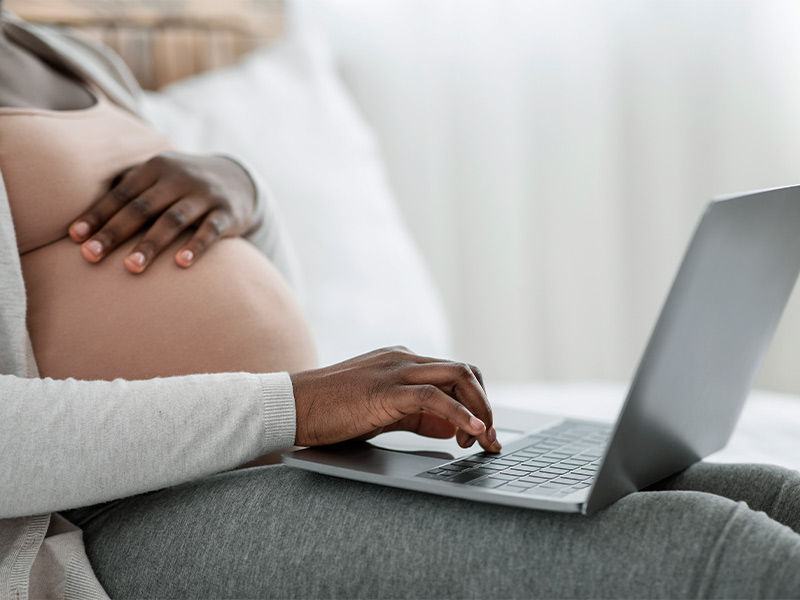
column 558, row 461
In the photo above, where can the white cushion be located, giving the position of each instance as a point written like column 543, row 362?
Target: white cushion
column 284, row 111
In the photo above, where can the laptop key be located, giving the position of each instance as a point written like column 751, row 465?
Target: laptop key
column 434, row 475
column 513, row 488
column 563, row 482
column 486, row 483
column 577, row 462
column 571, row 477
column 492, row 467
column 466, row 477
column 521, row 483
column 528, row 468
column 501, row 477
column 533, row 480
column 504, row 463
column 514, row 473
column 584, row 472
column 554, row 471
column 483, row 471
column 483, row 458
column 453, row 467
column 543, row 476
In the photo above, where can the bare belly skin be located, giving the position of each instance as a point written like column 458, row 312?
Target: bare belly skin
column 231, row 311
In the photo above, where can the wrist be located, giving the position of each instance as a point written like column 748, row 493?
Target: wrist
column 245, row 183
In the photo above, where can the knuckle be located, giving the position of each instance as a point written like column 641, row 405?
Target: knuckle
column 426, row 394
column 109, row 235
column 147, row 247
column 216, row 226
column 121, row 193
column 397, row 353
column 159, row 160
column 93, row 217
column 176, row 218
column 200, row 244
column 141, row 206
column 462, row 371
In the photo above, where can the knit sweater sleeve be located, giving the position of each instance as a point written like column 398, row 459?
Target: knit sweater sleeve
column 69, row 443
column 268, row 231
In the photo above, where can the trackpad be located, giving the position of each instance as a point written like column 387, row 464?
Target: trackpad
column 405, row 441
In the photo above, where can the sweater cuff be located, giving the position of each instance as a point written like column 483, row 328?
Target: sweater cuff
column 278, row 409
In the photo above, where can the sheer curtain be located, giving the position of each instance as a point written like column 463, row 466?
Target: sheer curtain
column 552, row 157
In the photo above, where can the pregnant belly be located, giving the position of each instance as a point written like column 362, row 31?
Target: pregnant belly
column 231, row 311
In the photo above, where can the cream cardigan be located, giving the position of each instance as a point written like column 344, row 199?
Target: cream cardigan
column 69, row 443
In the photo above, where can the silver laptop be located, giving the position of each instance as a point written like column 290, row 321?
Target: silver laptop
column 684, row 401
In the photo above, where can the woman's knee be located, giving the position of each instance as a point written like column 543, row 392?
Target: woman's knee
column 686, row 543
column 768, row 488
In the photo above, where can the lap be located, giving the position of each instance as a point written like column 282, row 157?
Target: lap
column 768, row 488
column 278, row 532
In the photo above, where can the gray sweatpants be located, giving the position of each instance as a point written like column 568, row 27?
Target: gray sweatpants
column 275, row 532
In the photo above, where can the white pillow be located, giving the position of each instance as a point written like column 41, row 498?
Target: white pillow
column 283, row 110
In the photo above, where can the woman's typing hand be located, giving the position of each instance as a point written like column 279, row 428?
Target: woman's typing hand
column 166, row 195
column 392, row 389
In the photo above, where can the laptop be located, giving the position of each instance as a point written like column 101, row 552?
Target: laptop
column 683, row 403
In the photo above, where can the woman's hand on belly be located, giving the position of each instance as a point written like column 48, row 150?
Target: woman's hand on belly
column 392, row 389
column 177, row 191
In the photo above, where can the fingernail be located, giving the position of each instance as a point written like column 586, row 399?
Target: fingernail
column 477, row 424
column 497, row 447
column 471, row 441
column 187, row 256
column 137, row 258
column 491, row 434
column 94, row 247
column 80, row 229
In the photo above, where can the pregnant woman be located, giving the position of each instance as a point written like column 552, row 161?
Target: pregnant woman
column 149, row 345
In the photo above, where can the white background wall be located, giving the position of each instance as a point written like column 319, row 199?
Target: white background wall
column 552, row 157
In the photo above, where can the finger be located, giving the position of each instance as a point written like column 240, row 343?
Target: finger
column 130, row 185
column 478, row 375
column 464, row 439
column 172, row 222
column 425, row 424
column 403, row 354
column 429, row 398
column 213, row 227
column 128, row 220
column 459, row 381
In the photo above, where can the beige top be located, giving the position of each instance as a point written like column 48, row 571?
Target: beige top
column 231, row 308
column 56, row 162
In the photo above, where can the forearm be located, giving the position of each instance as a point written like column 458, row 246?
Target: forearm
column 69, row 443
